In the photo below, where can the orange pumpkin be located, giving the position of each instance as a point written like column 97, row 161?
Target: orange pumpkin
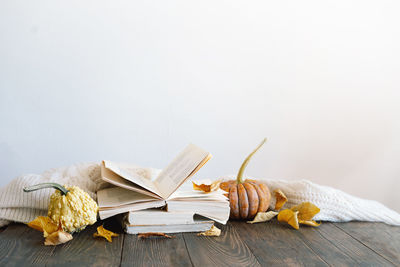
column 246, row 197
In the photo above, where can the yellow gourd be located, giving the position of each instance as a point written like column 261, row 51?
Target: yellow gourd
column 71, row 207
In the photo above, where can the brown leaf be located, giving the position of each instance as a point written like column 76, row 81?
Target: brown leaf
column 44, row 224
column 147, row 235
column 207, row 187
column 281, row 199
column 306, row 210
column 102, row 232
column 214, row 231
column 58, row 237
column 263, row 216
column 290, row 217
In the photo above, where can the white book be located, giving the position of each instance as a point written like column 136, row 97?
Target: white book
column 197, row 226
column 217, row 211
column 139, row 188
column 157, row 217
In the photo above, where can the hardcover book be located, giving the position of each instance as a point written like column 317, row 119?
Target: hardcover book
column 137, row 188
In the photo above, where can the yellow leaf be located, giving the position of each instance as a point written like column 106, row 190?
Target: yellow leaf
column 306, row 211
column 207, row 187
column 44, row 224
column 290, row 217
column 58, row 237
column 214, row 231
column 310, row 223
column 281, row 199
column 104, row 233
column 263, row 216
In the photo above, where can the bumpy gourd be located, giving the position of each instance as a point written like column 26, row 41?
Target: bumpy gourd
column 246, row 197
column 71, row 207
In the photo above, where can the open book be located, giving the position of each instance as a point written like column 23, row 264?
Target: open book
column 142, row 188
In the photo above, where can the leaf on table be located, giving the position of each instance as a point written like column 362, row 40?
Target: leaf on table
column 290, row 217
column 214, row 231
column 207, row 187
column 147, row 235
column 58, row 237
column 281, row 199
column 102, row 232
column 306, row 210
column 310, row 223
column 302, row 213
column 263, row 216
column 44, row 224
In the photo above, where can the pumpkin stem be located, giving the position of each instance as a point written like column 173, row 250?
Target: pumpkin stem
column 239, row 178
column 59, row 187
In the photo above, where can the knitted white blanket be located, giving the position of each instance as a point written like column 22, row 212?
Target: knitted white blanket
column 335, row 205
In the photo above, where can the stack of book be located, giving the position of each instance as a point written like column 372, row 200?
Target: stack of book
column 161, row 202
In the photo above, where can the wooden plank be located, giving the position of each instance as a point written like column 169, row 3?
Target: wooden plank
column 155, row 251
column 22, row 246
column 225, row 250
column 382, row 238
column 362, row 255
column 277, row 244
column 325, row 249
column 85, row 250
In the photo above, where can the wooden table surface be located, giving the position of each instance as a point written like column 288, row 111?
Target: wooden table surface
column 240, row 244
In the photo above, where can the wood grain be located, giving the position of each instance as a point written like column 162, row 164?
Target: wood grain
column 85, row 250
column 325, row 249
column 240, row 244
column 277, row 244
column 21, row 245
column 381, row 238
column 154, row 251
column 361, row 254
column 225, row 250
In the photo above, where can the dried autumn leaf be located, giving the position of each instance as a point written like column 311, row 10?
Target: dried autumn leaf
column 290, row 217
column 147, row 235
column 58, row 237
column 214, row 231
column 44, row 224
column 306, row 210
column 281, row 199
column 104, row 233
column 263, row 216
column 310, row 223
column 207, row 187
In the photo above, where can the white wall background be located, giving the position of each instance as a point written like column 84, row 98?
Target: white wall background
column 137, row 80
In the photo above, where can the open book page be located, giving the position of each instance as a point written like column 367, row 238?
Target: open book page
column 200, row 196
column 117, row 196
column 142, row 177
column 187, row 193
column 111, row 177
column 187, row 163
column 108, row 212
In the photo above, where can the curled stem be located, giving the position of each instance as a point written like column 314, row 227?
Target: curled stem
column 59, row 187
column 239, row 178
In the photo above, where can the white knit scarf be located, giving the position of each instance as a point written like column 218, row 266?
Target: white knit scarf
column 335, row 205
